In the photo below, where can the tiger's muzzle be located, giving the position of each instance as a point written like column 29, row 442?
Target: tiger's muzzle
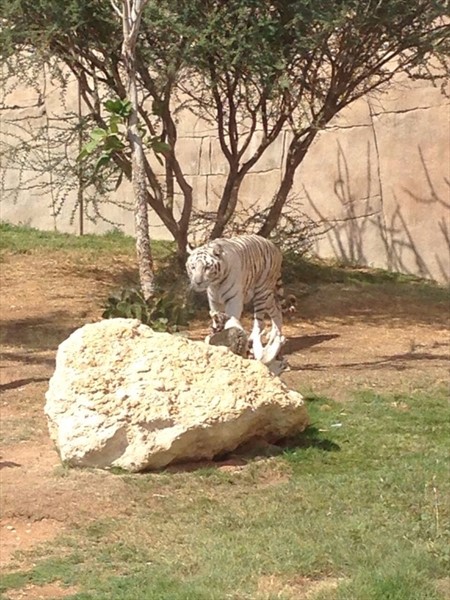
column 199, row 284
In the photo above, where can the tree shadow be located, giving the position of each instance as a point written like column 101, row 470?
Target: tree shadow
column 127, row 277
column 303, row 342
column 39, row 333
column 12, row 385
column 26, row 358
column 312, row 437
column 397, row 362
column 8, row 464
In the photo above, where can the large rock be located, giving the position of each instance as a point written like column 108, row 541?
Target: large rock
column 125, row 396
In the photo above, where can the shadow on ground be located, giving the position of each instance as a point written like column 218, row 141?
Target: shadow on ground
column 258, row 448
column 397, row 362
column 303, row 342
column 26, row 358
column 12, row 385
column 8, row 464
column 374, row 304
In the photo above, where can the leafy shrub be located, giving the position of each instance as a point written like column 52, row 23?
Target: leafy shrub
column 166, row 311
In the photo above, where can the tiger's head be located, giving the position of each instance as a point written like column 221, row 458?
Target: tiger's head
column 204, row 265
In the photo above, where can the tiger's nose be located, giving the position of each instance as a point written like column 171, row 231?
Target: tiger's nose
column 198, row 279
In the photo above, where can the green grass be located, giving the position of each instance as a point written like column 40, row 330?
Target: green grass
column 318, row 272
column 362, row 496
column 22, row 239
column 333, row 271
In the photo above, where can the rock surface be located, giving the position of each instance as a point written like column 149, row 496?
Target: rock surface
column 125, row 396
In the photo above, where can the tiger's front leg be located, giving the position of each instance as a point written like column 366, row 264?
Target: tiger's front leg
column 234, row 306
column 216, row 305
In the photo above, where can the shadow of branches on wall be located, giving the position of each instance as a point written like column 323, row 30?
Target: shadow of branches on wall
column 386, row 227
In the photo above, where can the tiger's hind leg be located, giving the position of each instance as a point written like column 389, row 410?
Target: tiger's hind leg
column 268, row 353
column 255, row 338
column 259, row 312
column 276, row 338
column 267, row 303
column 273, row 308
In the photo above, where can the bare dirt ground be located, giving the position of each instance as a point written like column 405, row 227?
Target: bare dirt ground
column 343, row 338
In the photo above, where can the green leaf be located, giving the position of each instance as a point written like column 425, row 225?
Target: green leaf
column 98, row 134
column 112, row 142
column 159, row 147
column 122, row 306
column 137, row 311
column 102, row 161
column 88, row 149
column 83, row 154
column 126, row 108
column 119, row 107
column 112, row 106
column 157, row 108
column 114, row 124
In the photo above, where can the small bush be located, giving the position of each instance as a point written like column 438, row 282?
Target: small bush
column 166, row 311
column 295, row 232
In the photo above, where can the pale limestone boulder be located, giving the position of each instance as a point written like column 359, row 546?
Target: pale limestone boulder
column 125, row 396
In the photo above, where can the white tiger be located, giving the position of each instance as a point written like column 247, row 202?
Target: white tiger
column 235, row 271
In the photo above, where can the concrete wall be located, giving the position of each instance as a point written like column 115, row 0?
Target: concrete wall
column 384, row 160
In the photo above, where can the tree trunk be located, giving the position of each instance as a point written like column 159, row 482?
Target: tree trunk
column 131, row 16
column 143, row 248
column 278, row 202
column 228, row 202
column 297, row 151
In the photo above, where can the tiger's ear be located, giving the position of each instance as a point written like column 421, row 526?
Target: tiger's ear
column 189, row 249
column 217, row 249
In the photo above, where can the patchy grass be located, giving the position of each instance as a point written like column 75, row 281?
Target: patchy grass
column 23, row 239
column 20, row 429
column 361, row 500
column 354, row 509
